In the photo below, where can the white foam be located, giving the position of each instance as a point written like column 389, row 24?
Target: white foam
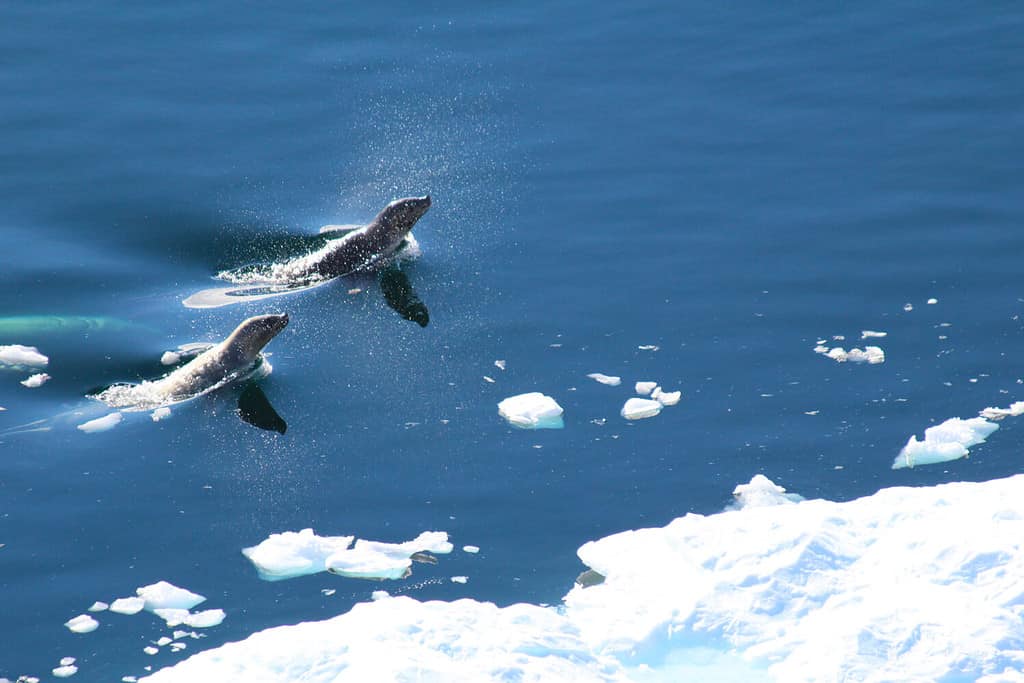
column 640, row 408
column 170, row 358
column 294, row 553
column 645, row 388
column 943, row 442
column 605, row 379
column 127, row 605
column 101, row 424
column 83, row 623
column 378, row 560
column 164, row 595
column 532, row 411
column 36, row 381
column 18, row 355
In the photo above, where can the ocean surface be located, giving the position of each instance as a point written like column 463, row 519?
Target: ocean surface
column 729, row 185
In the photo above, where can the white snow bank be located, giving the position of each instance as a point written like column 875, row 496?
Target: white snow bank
column 639, row 408
column 532, row 411
column 36, row 381
column 908, row 584
column 290, row 554
column 16, row 354
column 947, row 441
column 605, row 379
column 101, row 424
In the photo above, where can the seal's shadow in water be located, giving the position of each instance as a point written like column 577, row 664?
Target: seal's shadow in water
column 254, row 408
column 401, row 297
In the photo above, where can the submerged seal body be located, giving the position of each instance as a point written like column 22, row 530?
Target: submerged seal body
column 365, row 246
column 231, row 359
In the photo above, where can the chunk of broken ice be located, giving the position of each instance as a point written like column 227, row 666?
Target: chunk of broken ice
column 532, row 411
column 83, row 623
column 161, row 595
column 943, row 442
column 639, row 408
column 127, row 605
column 65, row 671
column 16, row 354
column 98, row 606
column 868, row 334
column 101, row 424
column 610, row 380
column 378, row 560
column 36, row 381
column 175, row 616
column 762, row 492
column 645, row 388
column 170, row 358
column 470, row 549
column 294, row 553
column 666, row 398
column 1014, row 410
column 460, row 579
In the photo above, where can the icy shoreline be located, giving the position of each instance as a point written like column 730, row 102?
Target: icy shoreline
column 905, row 584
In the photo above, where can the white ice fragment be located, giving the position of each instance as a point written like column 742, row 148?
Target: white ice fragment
column 908, row 307
column 131, row 605
column 101, row 424
column 129, row 679
column 150, row 650
column 98, row 606
column 500, row 364
column 532, row 411
column 1014, row 410
column 36, row 381
column 328, row 592
column 605, row 379
column 67, row 661
column 648, row 347
column 489, row 380
column 178, row 635
column 291, row 553
column 470, row 549
column 460, row 579
column 161, row 413
column 645, row 388
column 176, row 616
column 762, row 492
column 178, row 647
column 65, row 671
column 83, row 623
column 170, row 358
column 164, row 640
column 16, row 354
column 639, row 408
column 378, row 560
column 379, row 595
column 870, row 334
column 943, row 442
column 869, row 354
column 668, row 398
column 163, row 595
column 932, row 302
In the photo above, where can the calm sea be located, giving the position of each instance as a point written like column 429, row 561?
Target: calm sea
column 730, row 185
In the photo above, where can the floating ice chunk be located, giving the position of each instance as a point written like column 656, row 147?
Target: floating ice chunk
column 470, row 549
column 378, row 560
column 16, row 354
column 872, row 355
column 762, row 492
column 99, row 606
column 639, row 408
column 83, row 623
column 869, row 334
column 67, row 661
column 947, row 441
column 127, row 605
column 645, row 388
column 175, row 616
column 101, row 424
column 500, row 364
column 932, row 302
column 289, row 554
column 65, row 671
column 648, row 347
column 161, row 413
column 36, row 381
column 605, row 379
column 170, row 358
column 150, row 650
column 328, row 592
column 908, row 307
column 1014, row 410
column 532, row 411
column 164, row 641
column 178, row 647
column 163, row 595
column 129, row 679
column 489, row 380
column 379, row 595
column 460, row 579
column 667, row 398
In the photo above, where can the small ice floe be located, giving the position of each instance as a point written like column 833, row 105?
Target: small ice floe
column 639, row 408
column 18, row 355
column 871, row 355
column 150, row 650
column 164, row 640
column 470, row 549
column 489, row 380
column 932, row 302
column 161, row 413
column 328, row 592
column 127, row 605
column 178, row 647
column 460, row 579
column 872, row 334
column 65, row 670
column 1014, row 410
column 500, row 364
column 165, row 595
column 99, row 606
column 645, row 388
column 947, row 441
column 83, row 623
column 605, row 379
column 666, row 398
column 182, row 617
column 101, row 424
column 129, row 679
column 36, row 381
column 294, row 553
column 648, row 347
column 170, row 358
column 379, row 595
column 908, row 307
column 532, row 411
column 762, row 492
column 378, row 560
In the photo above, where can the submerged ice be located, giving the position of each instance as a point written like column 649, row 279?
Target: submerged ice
column 906, row 584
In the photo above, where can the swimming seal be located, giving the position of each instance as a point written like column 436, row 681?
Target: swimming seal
column 232, row 359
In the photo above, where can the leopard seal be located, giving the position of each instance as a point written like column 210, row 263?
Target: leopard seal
column 237, row 357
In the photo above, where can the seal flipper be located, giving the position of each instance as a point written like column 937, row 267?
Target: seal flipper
column 255, row 409
column 400, row 296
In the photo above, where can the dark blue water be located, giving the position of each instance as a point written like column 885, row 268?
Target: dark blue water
column 730, row 185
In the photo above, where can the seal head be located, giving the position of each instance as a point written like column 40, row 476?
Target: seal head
column 245, row 343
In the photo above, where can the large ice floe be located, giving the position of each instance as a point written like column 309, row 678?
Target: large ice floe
column 943, row 442
column 908, row 584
